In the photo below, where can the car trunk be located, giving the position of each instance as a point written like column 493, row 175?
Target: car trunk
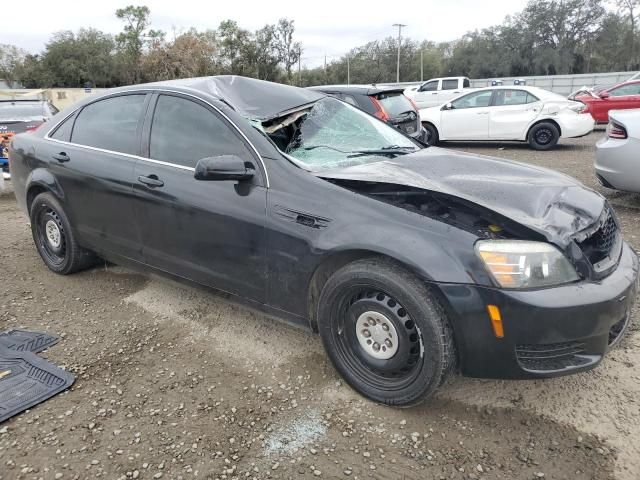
column 402, row 114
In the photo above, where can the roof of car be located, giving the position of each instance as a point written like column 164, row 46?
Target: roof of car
column 357, row 89
column 251, row 98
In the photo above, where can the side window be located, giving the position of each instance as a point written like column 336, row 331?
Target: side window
column 429, row 86
column 350, row 99
column 466, row 83
column 624, row 90
column 183, row 132
column 110, row 124
column 63, row 131
column 450, row 84
column 513, row 97
column 473, row 100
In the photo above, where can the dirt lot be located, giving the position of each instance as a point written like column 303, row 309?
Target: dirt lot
column 175, row 382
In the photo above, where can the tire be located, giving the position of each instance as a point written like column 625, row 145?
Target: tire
column 543, row 136
column 431, row 137
column 54, row 237
column 375, row 290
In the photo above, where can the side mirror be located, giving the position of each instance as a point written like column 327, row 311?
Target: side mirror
column 604, row 95
column 224, row 167
column 448, row 106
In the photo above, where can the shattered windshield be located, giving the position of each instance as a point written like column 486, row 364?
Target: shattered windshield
column 332, row 134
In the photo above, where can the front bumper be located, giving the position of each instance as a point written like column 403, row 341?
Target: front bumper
column 547, row 332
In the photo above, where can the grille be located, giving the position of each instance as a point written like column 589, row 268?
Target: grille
column 598, row 246
column 551, row 356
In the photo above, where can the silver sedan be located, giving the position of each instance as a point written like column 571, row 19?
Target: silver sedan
column 618, row 154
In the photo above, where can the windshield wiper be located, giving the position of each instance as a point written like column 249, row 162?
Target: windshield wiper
column 391, row 150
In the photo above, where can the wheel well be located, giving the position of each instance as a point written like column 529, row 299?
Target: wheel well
column 32, row 193
column 547, row 120
column 430, row 124
column 327, row 268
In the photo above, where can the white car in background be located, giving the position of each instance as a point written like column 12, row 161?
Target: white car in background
column 618, row 154
column 512, row 113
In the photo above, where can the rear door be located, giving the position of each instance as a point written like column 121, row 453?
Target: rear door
column 468, row 119
column 210, row 232
column 511, row 112
column 92, row 155
column 450, row 89
column 427, row 94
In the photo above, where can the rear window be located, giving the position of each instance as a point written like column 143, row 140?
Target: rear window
column 450, row 84
column 395, row 103
column 12, row 110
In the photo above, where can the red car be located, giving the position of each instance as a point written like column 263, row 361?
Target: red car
column 619, row 97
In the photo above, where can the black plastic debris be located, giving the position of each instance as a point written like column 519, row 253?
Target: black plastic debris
column 26, row 379
column 27, row 341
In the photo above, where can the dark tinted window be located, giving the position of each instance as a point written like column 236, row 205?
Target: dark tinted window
column 350, row 99
column 466, row 83
column 429, row 86
column 513, row 97
column 184, row 132
column 449, row 84
column 395, row 104
column 110, row 124
column 63, row 132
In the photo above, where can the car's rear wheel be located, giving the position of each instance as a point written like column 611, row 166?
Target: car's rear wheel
column 543, row 136
column 385, row 332
column 54, row 237
column 431, row 136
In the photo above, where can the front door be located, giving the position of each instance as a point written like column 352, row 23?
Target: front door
column 468, row 117
column 210, row 232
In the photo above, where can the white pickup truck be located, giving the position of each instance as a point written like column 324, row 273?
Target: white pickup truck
column 438, row 91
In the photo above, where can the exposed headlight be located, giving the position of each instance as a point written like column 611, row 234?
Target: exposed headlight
column 525, row 264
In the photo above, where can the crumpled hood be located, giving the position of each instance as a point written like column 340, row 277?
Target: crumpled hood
column 548, row 202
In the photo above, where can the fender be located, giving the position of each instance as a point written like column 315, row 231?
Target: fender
column 38, row 180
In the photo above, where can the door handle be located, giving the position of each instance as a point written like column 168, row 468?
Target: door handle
column 61, row 157
column 482, row 113
column 434, row 93
column 151, row 181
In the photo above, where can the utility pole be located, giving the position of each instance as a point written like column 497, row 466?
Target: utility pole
column 421, row 66
column 325, row 69
column 348, row 72
column 399, row 25
column 299, row 61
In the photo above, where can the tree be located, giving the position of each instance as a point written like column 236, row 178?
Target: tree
column 132, row 40
column 630, row 7
column 288, row 50
column 10, row 59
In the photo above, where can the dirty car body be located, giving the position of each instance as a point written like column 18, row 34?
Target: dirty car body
column 324, row 216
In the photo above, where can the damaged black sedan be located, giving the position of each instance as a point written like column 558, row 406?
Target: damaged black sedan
column 410, row 262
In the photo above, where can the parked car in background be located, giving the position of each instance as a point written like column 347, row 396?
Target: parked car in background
column 527, row 114
column 619, row 97
column 438, row 91
column 17, row 116
column 386, row 103
column 409, row 261
column 618, row 153
column 585, row 90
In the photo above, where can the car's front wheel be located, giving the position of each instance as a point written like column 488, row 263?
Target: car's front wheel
column 54, row 238
column 543, row 136
column 385, row 332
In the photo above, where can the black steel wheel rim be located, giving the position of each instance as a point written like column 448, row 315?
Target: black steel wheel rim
column 391, row 374
column 54, row 253
column 544, row 136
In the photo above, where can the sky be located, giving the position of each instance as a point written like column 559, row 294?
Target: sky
column 330, row 27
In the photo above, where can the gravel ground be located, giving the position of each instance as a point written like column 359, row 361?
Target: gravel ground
column 175, row 382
